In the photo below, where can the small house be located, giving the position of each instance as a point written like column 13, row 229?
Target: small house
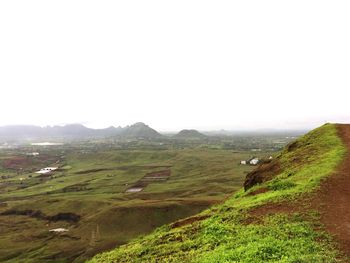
column 59, row 230
column 32, row 154
column 46, row 170
column 254, row 161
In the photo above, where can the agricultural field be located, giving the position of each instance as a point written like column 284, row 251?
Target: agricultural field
column 102, row 196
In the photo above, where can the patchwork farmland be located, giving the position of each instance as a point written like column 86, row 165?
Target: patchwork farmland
column 99, row 198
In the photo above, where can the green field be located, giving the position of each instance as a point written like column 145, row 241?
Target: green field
column 87, row 195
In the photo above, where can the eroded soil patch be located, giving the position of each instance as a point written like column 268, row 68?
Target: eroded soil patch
column 188, row 221
column 69, row 217
column 151, row 177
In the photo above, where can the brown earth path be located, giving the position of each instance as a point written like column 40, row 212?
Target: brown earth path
column 333, row 198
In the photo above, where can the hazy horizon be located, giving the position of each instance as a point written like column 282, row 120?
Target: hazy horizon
column 218, row 129
column 282, row 125
column 175, row 65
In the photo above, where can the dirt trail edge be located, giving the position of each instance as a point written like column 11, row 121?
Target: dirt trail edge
column 333, row 198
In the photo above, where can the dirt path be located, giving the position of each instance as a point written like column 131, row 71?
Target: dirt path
column 333, row 198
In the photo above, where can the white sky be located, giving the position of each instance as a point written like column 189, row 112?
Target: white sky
column 175, row 64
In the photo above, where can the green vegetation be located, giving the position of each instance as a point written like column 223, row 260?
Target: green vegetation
column 304, row 164
column 92, row 182
column 190, row 135
column 230, row 232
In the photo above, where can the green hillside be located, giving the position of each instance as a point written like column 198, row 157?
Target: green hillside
column 237, row 231
column 139, row 129
column 189, row 134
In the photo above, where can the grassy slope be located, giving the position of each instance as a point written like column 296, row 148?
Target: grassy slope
column 227, row 235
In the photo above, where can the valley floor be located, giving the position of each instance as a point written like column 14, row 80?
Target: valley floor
column 89, row 196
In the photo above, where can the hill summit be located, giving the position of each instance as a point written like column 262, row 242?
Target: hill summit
column 190, row 134
column 140, row 130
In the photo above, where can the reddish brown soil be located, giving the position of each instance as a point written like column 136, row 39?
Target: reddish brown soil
column 27, row 162
column 273, row 208
column 164, row 173
column 188, row 221
column 15, row 162
column 258, row 191
column 333, row 199
column 152, row 177
column 263, row 173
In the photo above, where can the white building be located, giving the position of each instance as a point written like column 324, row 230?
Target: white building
column 254, row 161
column 32, row 154
column 59, row 230
column 46, row 170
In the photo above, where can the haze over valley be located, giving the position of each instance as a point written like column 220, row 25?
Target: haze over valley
column 180, row 131
column 70, row 192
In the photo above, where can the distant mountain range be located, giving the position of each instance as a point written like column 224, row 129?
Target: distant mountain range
column 137, row 130
column 75, row 131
